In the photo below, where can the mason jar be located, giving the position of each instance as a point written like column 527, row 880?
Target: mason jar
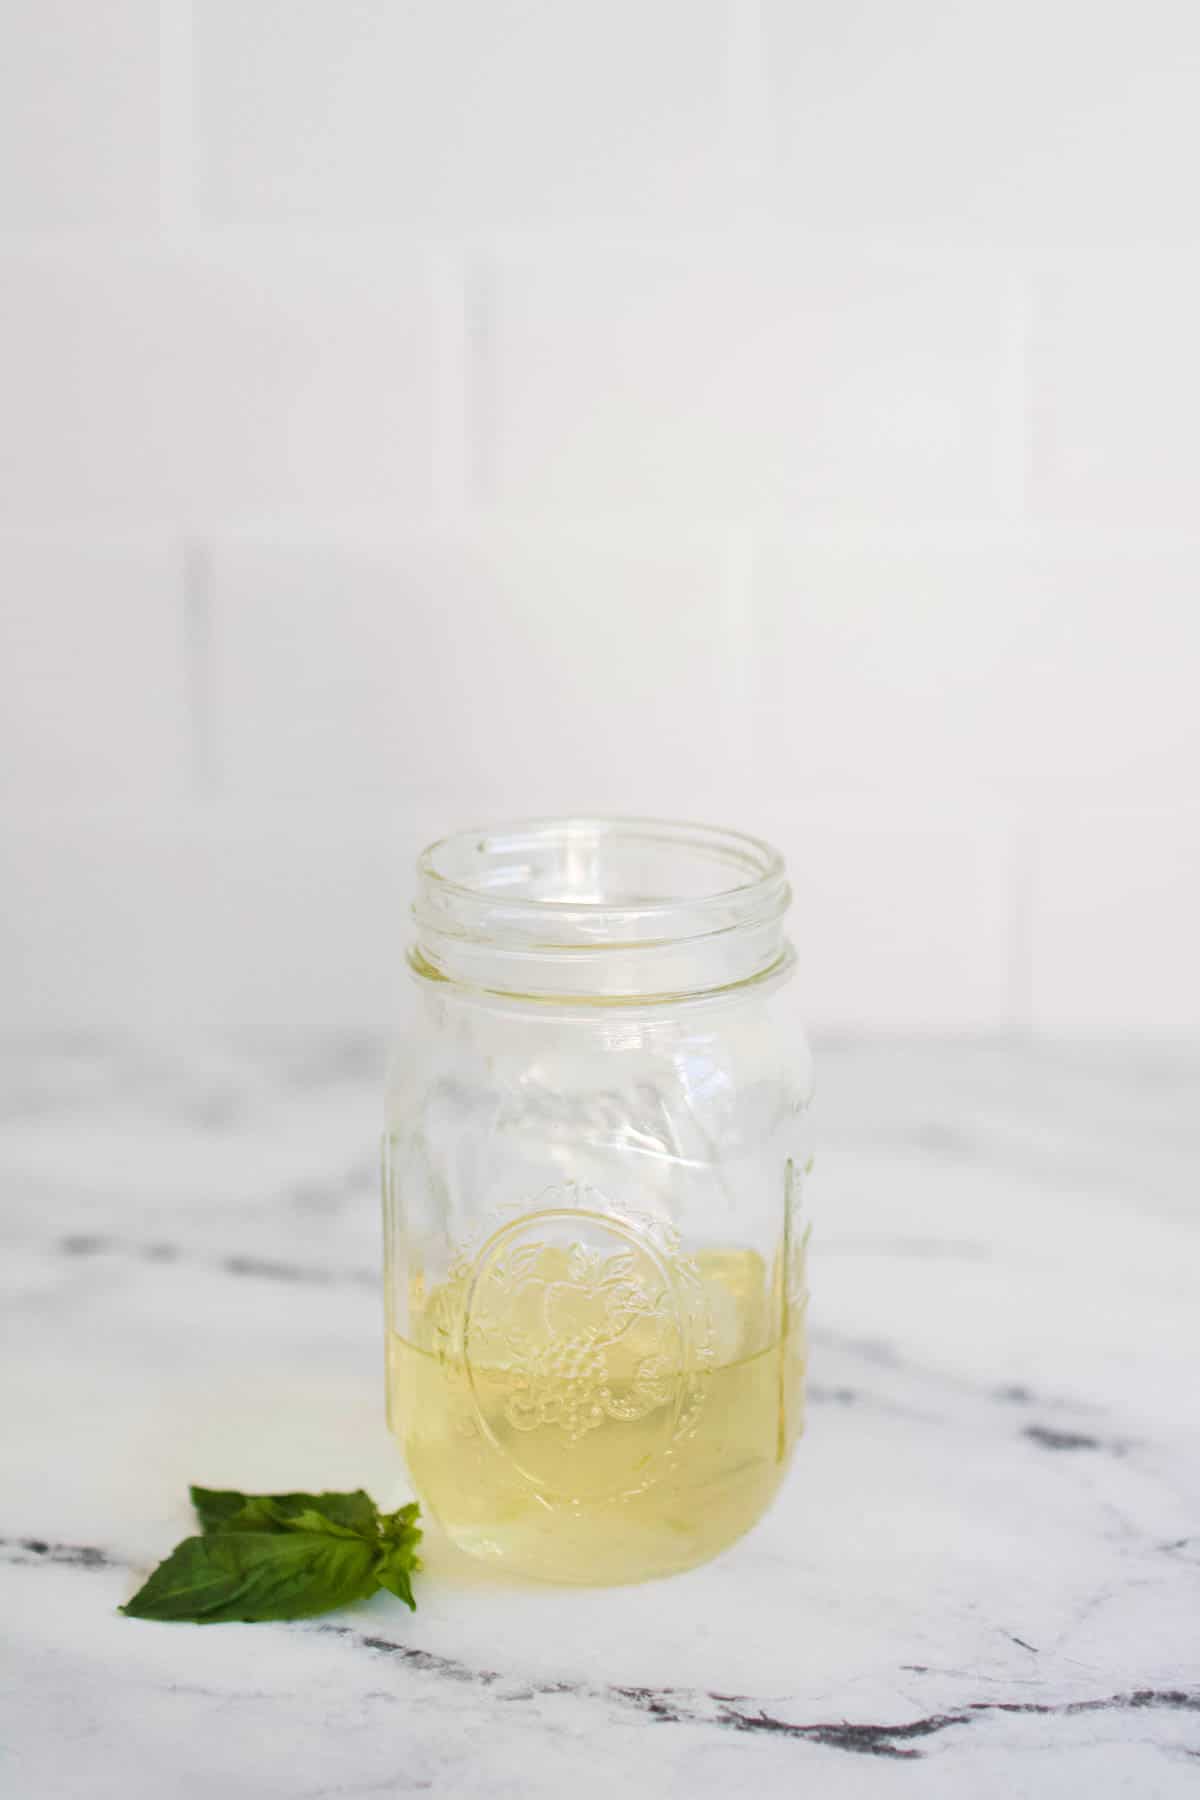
column 594, row 1155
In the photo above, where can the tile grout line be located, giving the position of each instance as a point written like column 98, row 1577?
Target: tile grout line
column 1020, row 377
column 176, row 139
column 450, row 448
column 479, row 378
column 740, row 555
column 197, row 636
column 747, row 99
column 463, row 424
column 1022, row 889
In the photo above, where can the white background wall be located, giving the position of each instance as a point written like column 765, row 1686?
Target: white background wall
column 416, row 412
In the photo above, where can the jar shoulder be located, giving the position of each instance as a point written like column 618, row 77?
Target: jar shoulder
column 723, row 1072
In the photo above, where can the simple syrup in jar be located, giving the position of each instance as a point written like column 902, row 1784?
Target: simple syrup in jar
column 593, row 1169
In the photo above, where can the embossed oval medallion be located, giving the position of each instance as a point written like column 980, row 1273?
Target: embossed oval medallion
column 578, row 1347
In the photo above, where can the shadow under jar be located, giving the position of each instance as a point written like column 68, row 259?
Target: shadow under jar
column 593, row 1159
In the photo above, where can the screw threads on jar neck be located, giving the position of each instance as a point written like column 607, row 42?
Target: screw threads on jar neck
column 600, row 910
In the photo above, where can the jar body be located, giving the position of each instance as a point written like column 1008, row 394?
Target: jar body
column 595, row 1271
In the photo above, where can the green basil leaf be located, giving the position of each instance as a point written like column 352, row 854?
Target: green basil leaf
column 263, row 1512
column 216, row 1506
column 256, row 1575
column 308, row 1520
column 398, row 1559
column 228, row 1510
column 260, row 1513
column 403, row 1519
column 393, row 1572
column 401, row 1527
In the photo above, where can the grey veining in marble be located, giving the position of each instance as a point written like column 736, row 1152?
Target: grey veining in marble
column 983, row 1577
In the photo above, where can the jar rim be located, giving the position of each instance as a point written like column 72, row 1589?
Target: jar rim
column 762, row 861
column 599, row 905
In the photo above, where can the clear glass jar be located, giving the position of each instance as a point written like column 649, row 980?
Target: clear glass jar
column 594, row 1152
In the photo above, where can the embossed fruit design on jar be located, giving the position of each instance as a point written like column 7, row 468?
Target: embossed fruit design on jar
column 593, row 1162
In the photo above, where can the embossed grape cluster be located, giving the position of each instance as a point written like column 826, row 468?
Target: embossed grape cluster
column 581, row 1364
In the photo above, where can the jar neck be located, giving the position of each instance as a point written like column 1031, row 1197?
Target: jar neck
column 600, row 910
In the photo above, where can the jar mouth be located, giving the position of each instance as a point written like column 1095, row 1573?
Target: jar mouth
column 593, row 906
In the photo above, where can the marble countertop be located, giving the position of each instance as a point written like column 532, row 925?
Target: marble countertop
column 983, row 1576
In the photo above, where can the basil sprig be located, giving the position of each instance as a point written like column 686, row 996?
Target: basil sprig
column 281, row 1556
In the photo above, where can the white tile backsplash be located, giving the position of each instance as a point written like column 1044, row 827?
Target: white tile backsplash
column 750, row 383
column 95, row 352
column 107, row 926
column 454, row 117
column 417, row 414
column 898, row 925
column 1117, row 897
column 888, row 669
column 79, row 116
column 96, row 717
column 314, row 391
column 1023, row 675
column 1115, row 391
column 218, row 383
column 1106, row 705
column 491, row 675
column 1045, row 123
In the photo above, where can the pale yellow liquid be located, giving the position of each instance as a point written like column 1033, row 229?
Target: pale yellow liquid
column 585, row 1465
